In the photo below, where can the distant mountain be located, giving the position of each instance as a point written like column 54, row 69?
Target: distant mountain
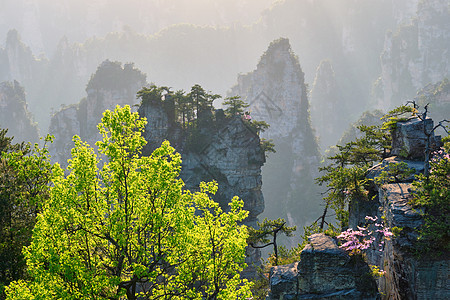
column 14, row 114
column 415, row 54
column 112, row 84
column 349, row 33
column 277, row 94
column 328, row 106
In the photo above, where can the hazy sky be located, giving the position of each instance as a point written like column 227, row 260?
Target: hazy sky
column 41, row 23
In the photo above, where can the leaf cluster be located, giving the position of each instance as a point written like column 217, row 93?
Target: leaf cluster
column 130, row 230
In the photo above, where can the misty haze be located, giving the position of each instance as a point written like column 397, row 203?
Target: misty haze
column 304, row 109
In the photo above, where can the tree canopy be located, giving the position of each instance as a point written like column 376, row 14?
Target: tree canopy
column 130, row 230
column 24, row 176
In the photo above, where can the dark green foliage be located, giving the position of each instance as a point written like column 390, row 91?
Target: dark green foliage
column 25, row 172
column 433, row 196
column 258, row 126
column 345, row 174
column 267, row 146
column 152, row 94
column 111, row 75
column 267, row 233
column 194, row 113
column 235, row 106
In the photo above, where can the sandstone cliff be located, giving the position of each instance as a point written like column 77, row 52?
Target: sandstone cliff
column 221, row 148
column 323, row 270
column 415, row 54
column 437, row 96
column 276, row 93
column 407, row 275
column 18, row 63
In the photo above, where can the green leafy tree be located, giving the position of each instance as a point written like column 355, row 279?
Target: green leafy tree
column 130, row 230
column 202, row 100
column 24, row 178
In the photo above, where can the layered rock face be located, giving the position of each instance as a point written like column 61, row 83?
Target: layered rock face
column 276, row 94
column 14, row 113
column 324, row 272
column 407, row 276
column 111, row 85
column 415, row 54
column 224, row 149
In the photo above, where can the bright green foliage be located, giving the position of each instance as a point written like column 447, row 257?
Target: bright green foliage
column 130, row 230
column 401, row 113
column 24, row 177
column 433, row 196
column 235, row 106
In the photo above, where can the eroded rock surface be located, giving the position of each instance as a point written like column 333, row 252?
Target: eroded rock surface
column 324, row 272
column 415, row 54
column 407, row 275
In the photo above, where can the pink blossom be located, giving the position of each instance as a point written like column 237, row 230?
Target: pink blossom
column 373, row 219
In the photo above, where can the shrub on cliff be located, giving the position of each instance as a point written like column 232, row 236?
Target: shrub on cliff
column 433, row 195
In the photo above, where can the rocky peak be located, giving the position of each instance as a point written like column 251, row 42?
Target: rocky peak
column 111, row 85
column 410, row 137
column 407, row 275
column 276, row 93
column 324, row 272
